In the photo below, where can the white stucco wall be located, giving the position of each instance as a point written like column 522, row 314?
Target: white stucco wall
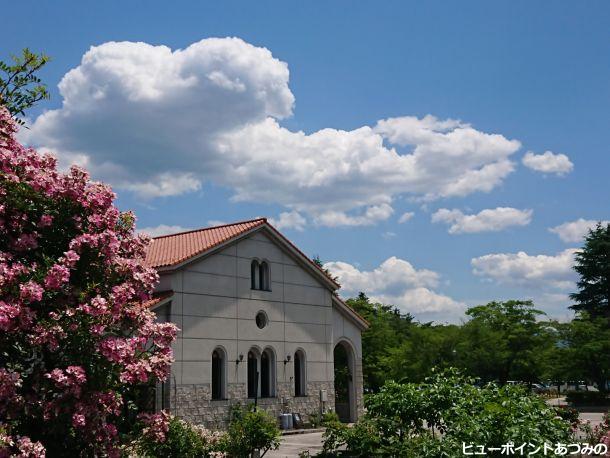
column 213, row 305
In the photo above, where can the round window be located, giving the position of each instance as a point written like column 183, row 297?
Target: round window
column 261, row 319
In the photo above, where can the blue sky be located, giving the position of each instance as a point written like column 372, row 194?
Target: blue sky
column 533, row 72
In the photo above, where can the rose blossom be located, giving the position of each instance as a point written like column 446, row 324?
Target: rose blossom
column 31, row 291
column 57, row 276
column 86, row 315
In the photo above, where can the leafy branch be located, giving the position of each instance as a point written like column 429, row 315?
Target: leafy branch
column 20, row 88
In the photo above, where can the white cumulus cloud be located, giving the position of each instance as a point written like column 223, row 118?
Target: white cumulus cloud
column 165, row 184
column 533, row 271
column 371, row 215
column 289, row 220
column 575, row 231
column 397, row 282
column 488, row 220
column 161, row 122
column 162, row 229
column 549, row 162
column 405, row 217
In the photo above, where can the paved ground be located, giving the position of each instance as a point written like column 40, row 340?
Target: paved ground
column 556, row 401
column 293, row 444
column 594, row 417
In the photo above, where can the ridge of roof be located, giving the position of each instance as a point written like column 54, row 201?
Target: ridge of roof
column 320, row 269
column 171, row 250
column 262, row 219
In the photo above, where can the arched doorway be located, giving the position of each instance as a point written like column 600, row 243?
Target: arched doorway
column 344, row 384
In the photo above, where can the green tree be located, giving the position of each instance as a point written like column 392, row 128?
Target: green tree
column 593, row 266
column 318, row 262
column 502, row 341
column 505, row 340
column 398, row 348
column 556, row 363
column 424, row 347
column 586, row 350
column 20, row 87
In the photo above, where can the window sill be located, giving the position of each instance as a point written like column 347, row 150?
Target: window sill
column 262, row 290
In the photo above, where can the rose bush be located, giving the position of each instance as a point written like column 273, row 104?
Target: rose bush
column 166, row 436
column 599, row 434
column 75, row 337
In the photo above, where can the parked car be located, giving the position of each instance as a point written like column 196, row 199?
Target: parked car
column 540, row 388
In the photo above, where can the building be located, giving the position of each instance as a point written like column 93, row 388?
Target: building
column 259, row 322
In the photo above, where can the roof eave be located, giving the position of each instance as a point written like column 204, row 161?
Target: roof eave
column 287, row 244
column 350, row 313
column 308, row 263
column 167, row 297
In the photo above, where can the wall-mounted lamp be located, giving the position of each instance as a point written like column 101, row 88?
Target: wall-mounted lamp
column 241, row 358
column 287, row 360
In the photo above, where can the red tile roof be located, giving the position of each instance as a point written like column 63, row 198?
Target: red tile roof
column 169, row 250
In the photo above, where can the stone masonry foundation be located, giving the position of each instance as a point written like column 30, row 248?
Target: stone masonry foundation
column 194, row 402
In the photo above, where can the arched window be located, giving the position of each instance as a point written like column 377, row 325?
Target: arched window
column 264, row 276
column 300, row 382
column 219, row 362
column 252, row 374
column 261, row 373
column 254, row 274
column 267, row 374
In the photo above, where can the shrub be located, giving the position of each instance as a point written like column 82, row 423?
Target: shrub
column 75, row 336
column 330, row 417
column 250, row 430
column 497, row 415
column 317, row 419
column 568, row 414
column 434, row 419
column 314, row 419
column 587, row 398
column 334, row 437
column 164, row 436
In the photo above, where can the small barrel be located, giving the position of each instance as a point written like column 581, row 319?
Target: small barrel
column 286, row 421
